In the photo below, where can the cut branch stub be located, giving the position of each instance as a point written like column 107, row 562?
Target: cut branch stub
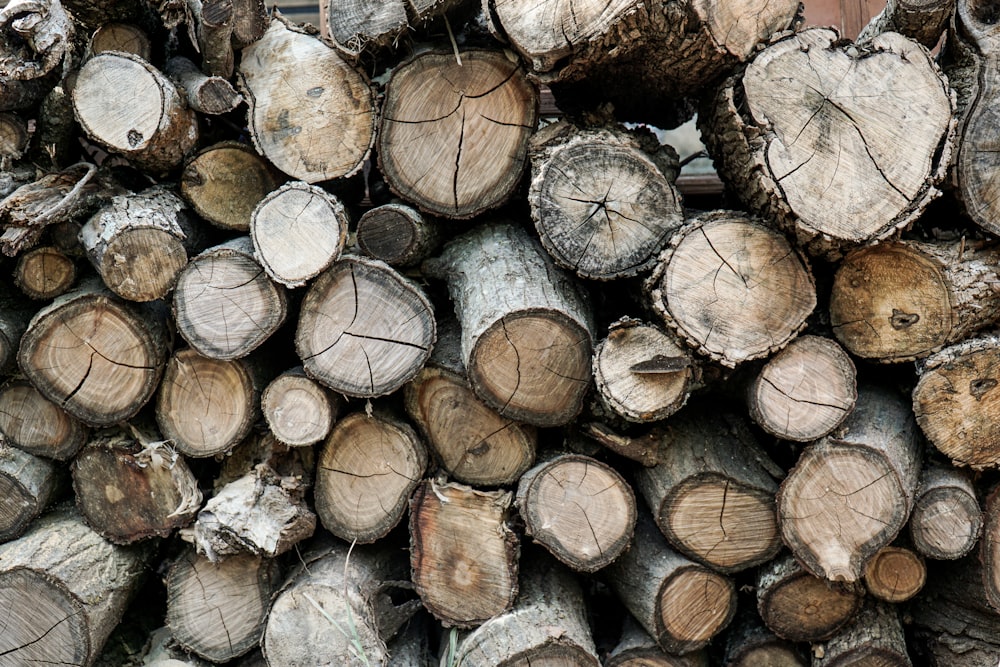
column 721, row 264
column 454, row 137
column 364, row 330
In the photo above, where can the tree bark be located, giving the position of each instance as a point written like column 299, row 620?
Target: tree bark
column 434, row 105
column 946, row 520
column 636, row 648
column 36, row 425
column 895, row 574
column 44, row 273
column 875, row 637
column 397, row 234
column 723, row 263
column 923, row 21
column 211, row 95
column 37, row 36
column 211, row 24
column 298, row 411
column 28, row 484
column 224, row 182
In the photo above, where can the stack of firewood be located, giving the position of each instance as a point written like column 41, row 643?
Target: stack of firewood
column 331, row 349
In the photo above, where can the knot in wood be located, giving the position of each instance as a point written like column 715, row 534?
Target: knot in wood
column 901, row 320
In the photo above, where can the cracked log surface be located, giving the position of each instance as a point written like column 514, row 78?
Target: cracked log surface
column 895, row 574
column 946, row 520
column 44, row 272
column 453, row 138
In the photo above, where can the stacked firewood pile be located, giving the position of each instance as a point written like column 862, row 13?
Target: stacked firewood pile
column 330, row 349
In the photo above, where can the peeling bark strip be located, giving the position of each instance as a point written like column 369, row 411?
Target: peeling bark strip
column 840, row 144
column 946, row 519
column 36, row 35
column 454, row 138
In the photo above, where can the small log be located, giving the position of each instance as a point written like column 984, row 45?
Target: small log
column 129, row 487
column 37, row 36
column 895, row 574
column 70, row 588
column 578, row 508
column 749, row 643
column 874, row 637
column 805, row 391
column 463, row 557
column 397, row 234
column 364, row 330
column 435, row 106
column 712, row 490
column 224, row 182
column 298, row 411
column 212, row 26
column 14, row 136
column 28, row 484
column 311, row 113
column 902, row 301
column 139, row 243
column 298, row 230
column 224, row 304
column 355, row 25
column 206, row 406
column 250, row 21
column 366, row 472
column 946, row 520
column 679, row 602
column 211, row 95
column 44, row 273
column 36, row 425
column 127, row 106
column 800, row 607
column 547, row 626
column 923, row 21
column 526, row 328
column 849, row 496
column 95, row 356
column 218, row 610
column 635, row 648
column 723, row 263
column 120, row 37
column 603, row 199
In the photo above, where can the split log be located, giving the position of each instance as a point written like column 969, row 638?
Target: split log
column 636, row 648
column 811, row 144
column 224, row 304
column 955, row 404
column 463, row 557
column 140, row 242
column 14, row 136
column 547, row 626
column 397, row 234
column 44, row 273
column 36, row 425
column 800, row 607
column 643, row 373
column 364, row 330
column 298, row 411
column 38, row 34
column 805, row 391
column 895, row 574
column 578, row 508
column 923, row 21
column 454, row 131
column 28, row 484
column 311, row 113
column 206, row 406
column 526, row 328
column 127, row 106
column 722, row 263
column 95, row 356
column 875, row 637
column 65, row 589
column 849, row 496
column 679, row 602
column 298, row 230
column 120, row 37
column 902, row 301
column 603, row 199
column 211, row 95
column 211, row 25
column 712, row 490
column 365, row 474
column 131, row 487
column 217, row 610
column 224, row 183
column 946, row 519
column 749, row 643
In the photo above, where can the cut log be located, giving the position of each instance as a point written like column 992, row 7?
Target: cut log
column 224, row 304
column 636, row 648
column 811, row 145
column 805, row 391
column 849, row 496
column 923, row 21
column 130, row 487
column 298, row 411
column 250, row 21
column 749, row 643
column 800, row 607
column 526, row 328
column 36, row 425
column 28, row 484
column 547, row 626
column 44, row 273
column 140, row 242
column 902, row 301
column 454, row 132
column 212, row 95
column 679, row 602
column 65, row 589
column 14, row 136
column 218, row 610
column 95, row 356
column 127, row 106
column 364, row 330
column 366, row 472
column 298, row 230
column 723, row 263
column 397, row 234
column 357, row 25
column 37, row 34
column 578, row 508
column 225, row 182
column 211, row 24
column 875, row 637
column 946, row 519
column 895, row 574
column 120, row 37
column 311, row 113
column 463, row 557
column 206, row 406
column 712, row 490
column 603, row 199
